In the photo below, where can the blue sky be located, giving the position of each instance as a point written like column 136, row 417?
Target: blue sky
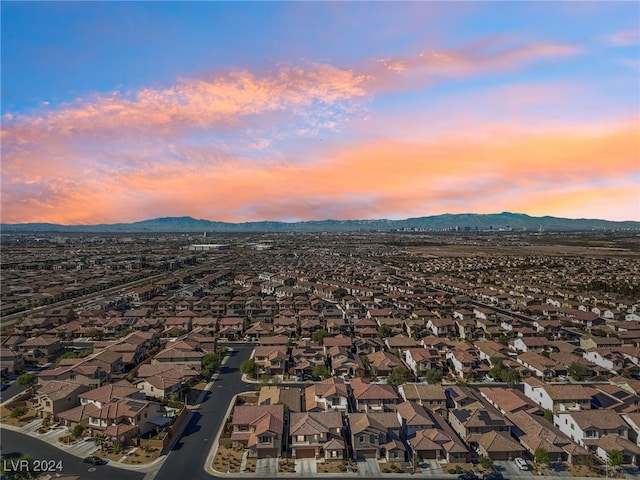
column 241, row 91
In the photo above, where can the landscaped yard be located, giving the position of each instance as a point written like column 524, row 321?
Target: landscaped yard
column 595, row 472
column 250, row 467
column 228, row 459
column 5, row 417
column 396, row 467
column 336, row 466
column 142, row 456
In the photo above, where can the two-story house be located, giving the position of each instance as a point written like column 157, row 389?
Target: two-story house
column 373, row 396
column 316, row 434
column 271, row 360
column 558, row 397
column 376, row 435
column 259, row 428
column 421, row 360
column 586, row 427
column 329, row 394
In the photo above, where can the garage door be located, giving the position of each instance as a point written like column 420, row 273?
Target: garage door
column 366, row 454
column 268, row 453
column 305, row 453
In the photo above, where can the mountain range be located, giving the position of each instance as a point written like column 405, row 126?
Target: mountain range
column 505, row 221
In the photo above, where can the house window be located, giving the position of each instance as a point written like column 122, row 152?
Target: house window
column 300, row 438
column 361, row 439
column 335, row 401
column 265, row 439
column 334, row 454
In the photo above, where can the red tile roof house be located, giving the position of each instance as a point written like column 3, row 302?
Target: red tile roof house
column 383, row 363
column 376, row 435
column 271, row 360
column 316, row 434
column 180, row 352
column 259, row 428
column 230, row 328
column 327, row 395
column 534, row 432
column 421, row 360
column 125, row 418
column 431, row 396
column 55, row 396
column 373, row 396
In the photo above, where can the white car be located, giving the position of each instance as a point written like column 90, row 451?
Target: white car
column 522, row 463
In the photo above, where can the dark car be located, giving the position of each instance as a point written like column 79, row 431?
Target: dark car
column 493, row 476
column 468, row 476
column 95, row 460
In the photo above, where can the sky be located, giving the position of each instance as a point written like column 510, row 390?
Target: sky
column 241, row 111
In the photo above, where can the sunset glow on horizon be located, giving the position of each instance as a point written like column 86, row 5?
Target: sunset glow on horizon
column 124, row 111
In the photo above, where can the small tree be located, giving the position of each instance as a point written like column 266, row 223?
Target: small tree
column 210, row 363
column 541, row 456
column 27, row 379
column 319, row 335
column 615, row 458
column 486, row 462
column 511, row 377
column 397, row 377
column 434, row 375
column 248, row 367
column 384, row 331
column 548, row 415
column 99, row 439
column 77, row 430
column 577, row 371
column 320, row 371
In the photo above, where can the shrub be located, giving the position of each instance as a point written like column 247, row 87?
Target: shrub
column 20, row 411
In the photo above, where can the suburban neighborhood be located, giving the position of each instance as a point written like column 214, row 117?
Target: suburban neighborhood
column 372, row 354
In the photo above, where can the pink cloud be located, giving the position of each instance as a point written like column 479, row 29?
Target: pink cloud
column 378, row 179
column 625, row 38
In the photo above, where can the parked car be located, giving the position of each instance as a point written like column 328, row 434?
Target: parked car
column 493, row 476
column 468, row 476
column 522, row 463
column 93, row 460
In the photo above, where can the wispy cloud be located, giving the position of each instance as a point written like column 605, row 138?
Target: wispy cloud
column 625, row 38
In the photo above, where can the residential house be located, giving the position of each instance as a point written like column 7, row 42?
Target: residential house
column 499, row 446
column 373, row 396
column 431, row 396
column 421, row 360
column 125, row 418
column 271, row 360
column 316, row 435
column 40, row 349
column 327, row 395
column 586, row 427
column 540, row 365
column 382, row 363
column 534, row 432
column 376, row 435
column 55, row 396
column 558, row 397
column 259, row 428
column 275, row 394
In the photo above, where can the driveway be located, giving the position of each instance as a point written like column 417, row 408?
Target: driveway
column 266, row 467
column 510, row 470
column 431, row 467
column 368, row 467
column 306, row 465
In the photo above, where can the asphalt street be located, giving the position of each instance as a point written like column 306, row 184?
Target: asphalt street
column 187, row 459
column 14, row 442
